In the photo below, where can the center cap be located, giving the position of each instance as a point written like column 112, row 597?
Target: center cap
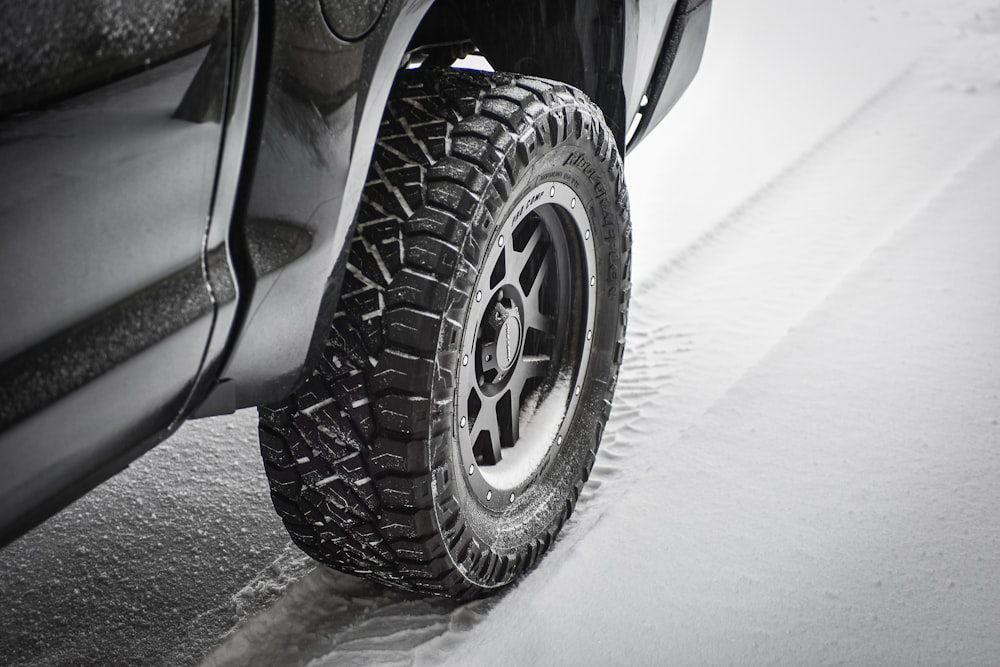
column 508, row 343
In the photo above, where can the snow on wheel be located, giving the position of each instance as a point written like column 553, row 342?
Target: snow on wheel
column 443, row 439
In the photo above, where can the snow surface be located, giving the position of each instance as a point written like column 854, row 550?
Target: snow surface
column 802, row 462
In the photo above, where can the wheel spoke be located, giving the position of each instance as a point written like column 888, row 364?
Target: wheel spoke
column 495, row 444
column 528, row 367
column 536, row 281
column 516, row 389
column 533, row 316
column 517, row 260
column 500, row 270
column 490, row 357
column 532, row 366
column 488, row 422
column 514, row 392
column 533, row 319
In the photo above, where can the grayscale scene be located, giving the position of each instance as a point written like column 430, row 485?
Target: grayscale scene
column 499, row 332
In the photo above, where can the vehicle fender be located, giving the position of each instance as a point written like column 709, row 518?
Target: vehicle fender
column 318, row 101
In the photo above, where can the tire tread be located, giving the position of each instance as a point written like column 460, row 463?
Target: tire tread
column 351, row 461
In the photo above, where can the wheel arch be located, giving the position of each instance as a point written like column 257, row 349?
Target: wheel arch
column 580, row 43
column 316, row 107
column 318, row 102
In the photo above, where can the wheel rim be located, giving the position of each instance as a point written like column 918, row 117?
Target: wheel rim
column 526, row 344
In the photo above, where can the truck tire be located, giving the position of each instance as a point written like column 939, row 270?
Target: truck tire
column 445, row 435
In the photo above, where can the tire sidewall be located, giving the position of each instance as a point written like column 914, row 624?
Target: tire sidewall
column 592, row 171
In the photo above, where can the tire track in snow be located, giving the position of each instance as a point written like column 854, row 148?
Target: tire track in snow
column 709, row 313
column 705, row 317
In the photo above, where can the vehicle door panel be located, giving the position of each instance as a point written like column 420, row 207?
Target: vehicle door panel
column 110, row 133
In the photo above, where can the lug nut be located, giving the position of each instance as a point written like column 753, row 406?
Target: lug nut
column 479, row 295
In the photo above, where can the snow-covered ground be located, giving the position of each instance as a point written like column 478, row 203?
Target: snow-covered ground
column 803, row 459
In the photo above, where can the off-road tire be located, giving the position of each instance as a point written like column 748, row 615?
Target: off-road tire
column 362, row 459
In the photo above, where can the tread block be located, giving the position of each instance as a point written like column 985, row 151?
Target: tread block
column 506, row 112
column 364, row 304
column 272, row 447
column 451, row 197
column 403, row 414
column 401, row 371
column 432, row 254
column 537, row 86
column 412, row 286
column 345, row 346
column 492, row 131
column 389, row 455
column 519, row 95
column 415, row 328
column 405, row 492
column 462, row 173
column 303, row 536
column 435, row 223
column 395, row 525
column 473, row 148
